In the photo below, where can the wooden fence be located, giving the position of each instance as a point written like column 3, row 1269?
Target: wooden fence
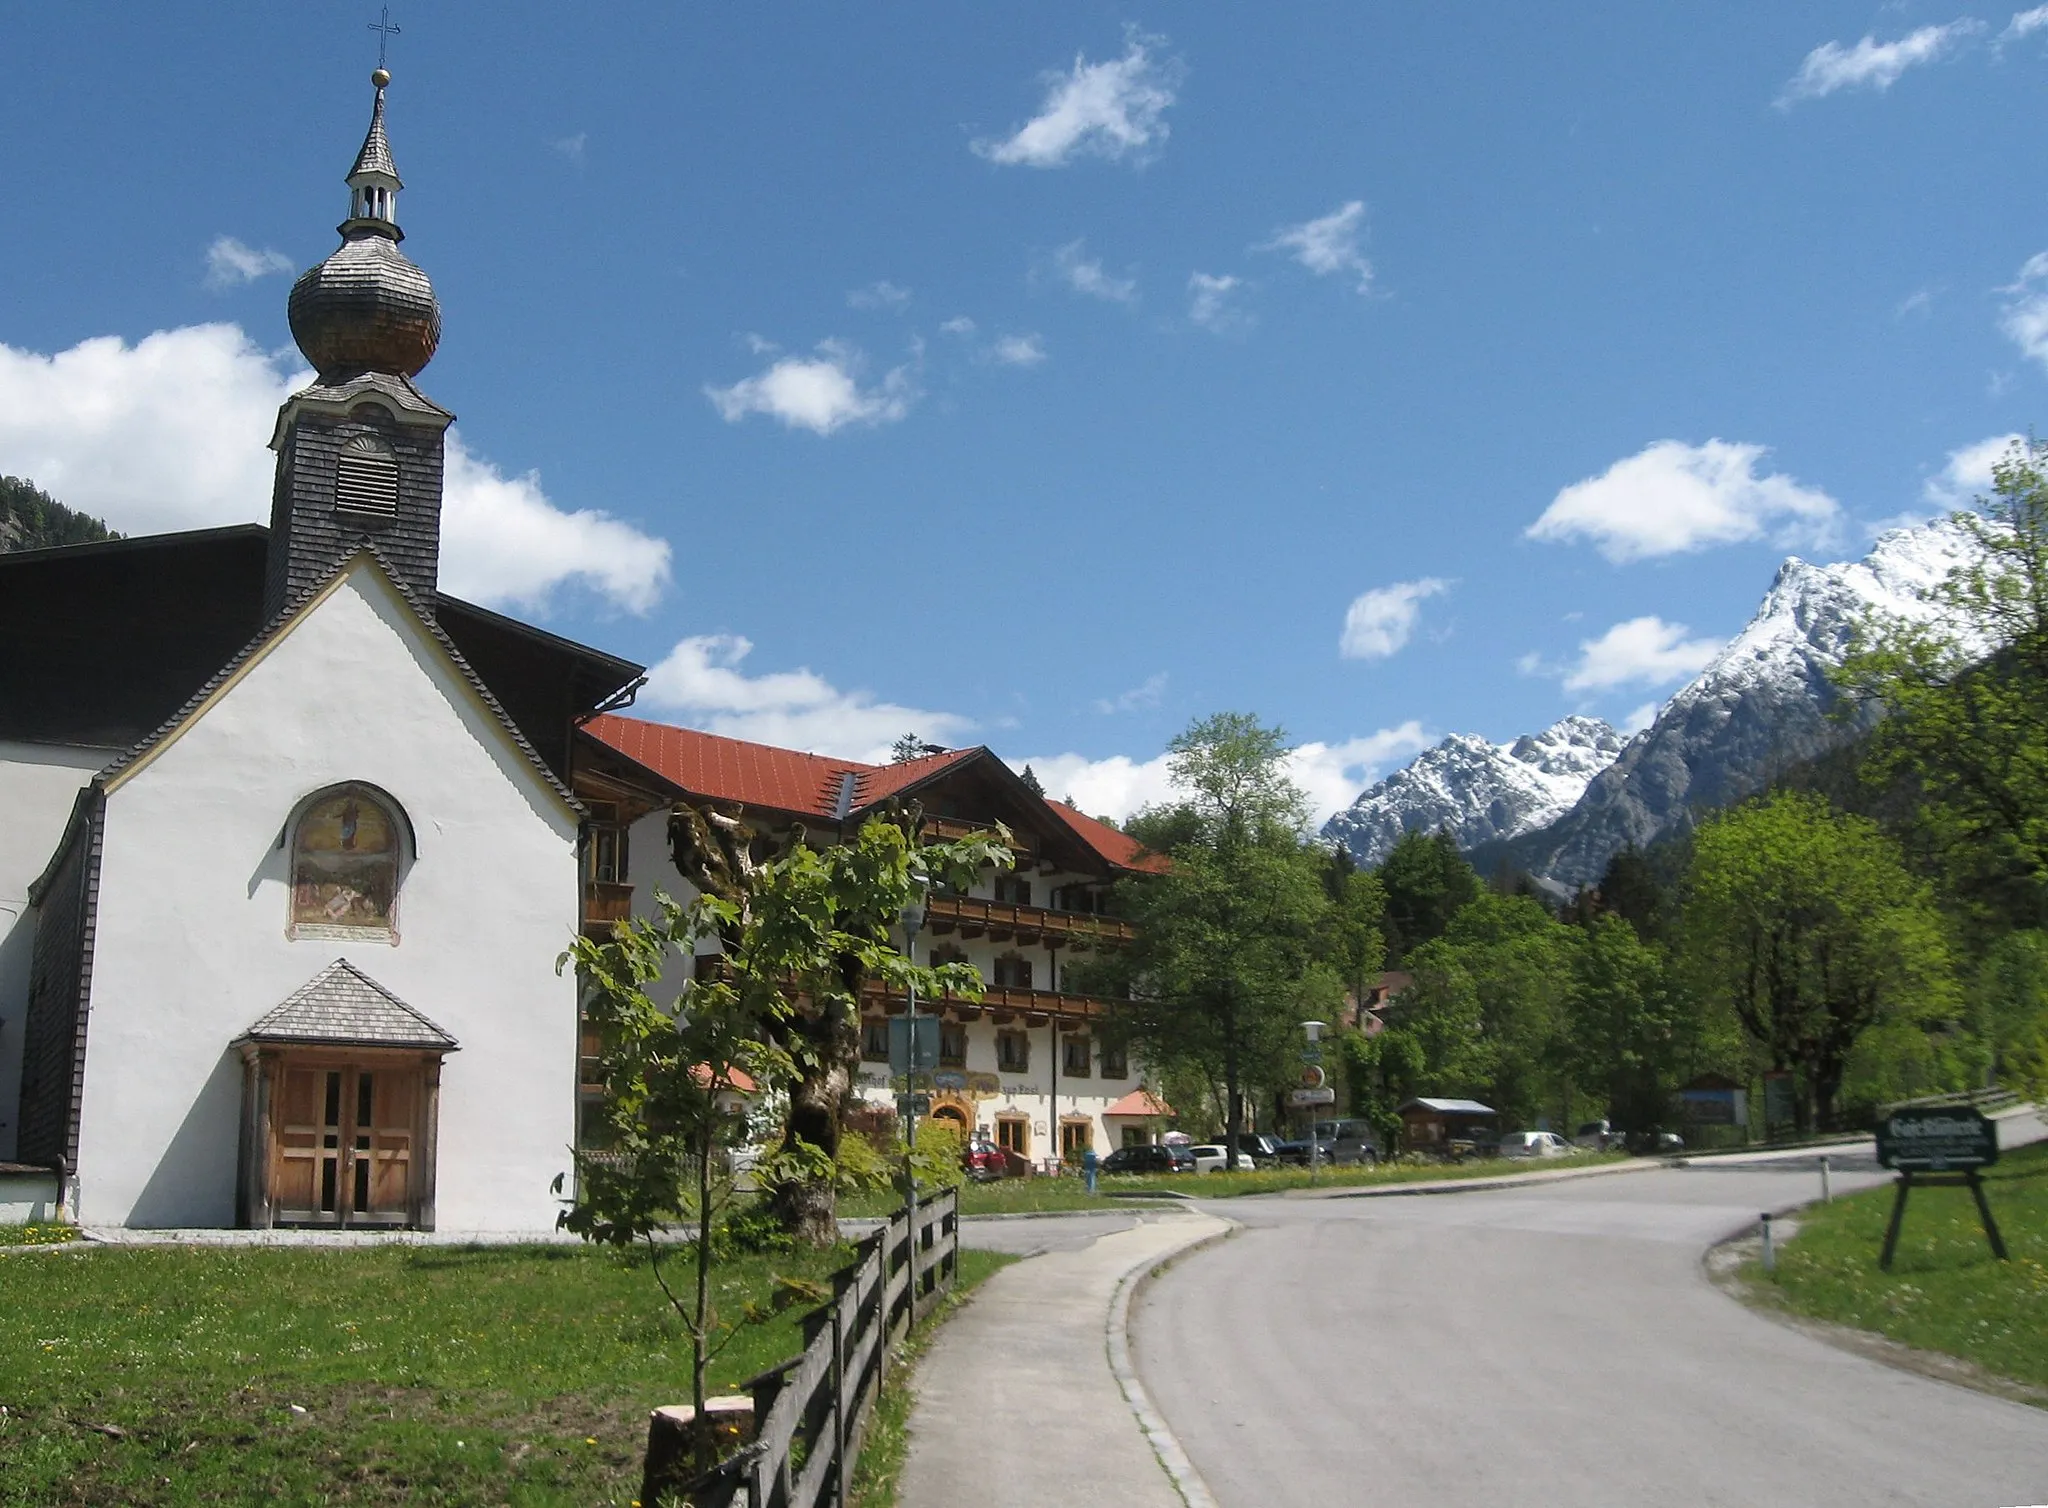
column 812, row 1411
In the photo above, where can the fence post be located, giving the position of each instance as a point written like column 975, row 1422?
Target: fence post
column 842, row 1469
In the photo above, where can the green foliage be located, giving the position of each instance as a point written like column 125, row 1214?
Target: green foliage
column 31, row 519
column 1231, row 940
column 936, row 1161
column 1426, row 882
column 1966, row 690
column 2010, row 1009
column 1806, row 925
column 861, row 1167
column 750, row 1228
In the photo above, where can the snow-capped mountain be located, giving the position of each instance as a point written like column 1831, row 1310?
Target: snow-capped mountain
column 1481, row 792
column 1763, row 703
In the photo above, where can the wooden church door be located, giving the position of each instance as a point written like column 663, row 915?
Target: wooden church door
column 343, row 1144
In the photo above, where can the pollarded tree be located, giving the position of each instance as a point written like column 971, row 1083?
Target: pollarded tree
column 1806, row 925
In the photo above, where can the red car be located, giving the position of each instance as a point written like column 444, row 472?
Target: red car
column 986, row 1162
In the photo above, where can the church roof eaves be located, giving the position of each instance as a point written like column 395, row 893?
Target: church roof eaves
column 135, row 757
column 343, row 1005
column 130, row 542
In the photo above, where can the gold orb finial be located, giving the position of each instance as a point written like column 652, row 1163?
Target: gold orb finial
column 380, row 77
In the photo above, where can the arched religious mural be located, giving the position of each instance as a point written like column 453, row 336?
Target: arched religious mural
column 345, row 853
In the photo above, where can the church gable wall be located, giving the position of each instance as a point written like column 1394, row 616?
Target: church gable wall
column 195, row 905
column 38, row 785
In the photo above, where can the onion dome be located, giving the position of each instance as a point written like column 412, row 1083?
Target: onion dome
column 367, row 308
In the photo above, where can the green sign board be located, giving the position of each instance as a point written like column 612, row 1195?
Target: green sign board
column 1937, row 1139
column 913, row 1045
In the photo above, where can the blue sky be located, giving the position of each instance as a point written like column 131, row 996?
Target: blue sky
column 1049, row 376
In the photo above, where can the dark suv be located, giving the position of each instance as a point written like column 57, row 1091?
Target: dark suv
column 1149, row 1160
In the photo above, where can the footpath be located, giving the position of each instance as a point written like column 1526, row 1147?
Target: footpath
column 1043, row 1341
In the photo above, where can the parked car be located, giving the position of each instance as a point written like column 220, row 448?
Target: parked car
column 1350, row 1142
column 986, row 1162
column 1149, row 1160
column 1600, row 1136
column 1210, row 1157
column 1534, row 1144
column 1259, row 1147
column 1295, row 1153
column 1655, row 1143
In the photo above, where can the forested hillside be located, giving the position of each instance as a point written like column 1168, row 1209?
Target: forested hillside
column 30, row 519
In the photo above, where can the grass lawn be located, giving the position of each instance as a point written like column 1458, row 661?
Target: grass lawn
column 1945, row 1292
column 374, row 1375
column 1027, row 1195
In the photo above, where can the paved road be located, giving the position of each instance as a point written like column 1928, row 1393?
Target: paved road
column 1544, row 1346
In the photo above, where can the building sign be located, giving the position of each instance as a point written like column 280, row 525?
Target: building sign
column 1937, row 1139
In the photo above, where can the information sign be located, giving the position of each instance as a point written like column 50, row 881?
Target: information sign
column 1312, row 1077
column 1312, row 1097
column 908, row 1105
column 913, row 1056
column 1937, row 1139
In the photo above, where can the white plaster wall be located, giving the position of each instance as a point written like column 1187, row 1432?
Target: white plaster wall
column 191, row 945
column 38, row 784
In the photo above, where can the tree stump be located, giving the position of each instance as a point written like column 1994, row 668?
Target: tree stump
column 681, row 1447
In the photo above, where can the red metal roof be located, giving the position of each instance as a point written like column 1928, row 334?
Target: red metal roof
column 1120, row 849
column 1140, row 1102
column 730, row 769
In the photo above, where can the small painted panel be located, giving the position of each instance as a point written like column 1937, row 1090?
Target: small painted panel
column 345, row 864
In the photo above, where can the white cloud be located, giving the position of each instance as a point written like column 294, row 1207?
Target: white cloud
column 2025, row 319
column 1327, row 246
column 1871, row 64
column 1018, row 350
column 1379, row 622
column 959, row 324
column 821, row 393
column 503, row 541
column 229, row 263
column 879, row 295
column 1332, row 775
column 1639, row 718
column 1084, row 274
column 1137, row 699
column 702, row 679
column 171, row 433
column 1671, row 497
column 1114, row 110
column 1967, row 475
column 2024, row 24
column 1209, row 303
column 570, row 148
column 1640, row 652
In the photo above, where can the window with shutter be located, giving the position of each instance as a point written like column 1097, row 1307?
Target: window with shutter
column 366, row 478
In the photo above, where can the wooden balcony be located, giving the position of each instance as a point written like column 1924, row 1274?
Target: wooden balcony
column 1000, row 1003
column 1004, row 921
column 604, row 903
column 951, row 829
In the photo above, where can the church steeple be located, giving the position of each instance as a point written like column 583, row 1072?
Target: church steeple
column 360, row 452
column 374, row 182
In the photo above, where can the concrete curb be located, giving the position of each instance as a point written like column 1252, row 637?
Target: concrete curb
column 1173, row 1458
column 1476, row 1185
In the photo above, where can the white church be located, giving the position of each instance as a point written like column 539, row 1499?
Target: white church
column 290, row 842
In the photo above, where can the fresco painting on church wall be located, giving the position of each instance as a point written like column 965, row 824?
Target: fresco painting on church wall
column 344, row 864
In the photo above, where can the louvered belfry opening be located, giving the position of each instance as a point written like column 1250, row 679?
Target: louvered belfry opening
column 366, row 478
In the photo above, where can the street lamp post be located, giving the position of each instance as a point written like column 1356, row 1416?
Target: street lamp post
column 1313, row 1055
column 911, row 919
